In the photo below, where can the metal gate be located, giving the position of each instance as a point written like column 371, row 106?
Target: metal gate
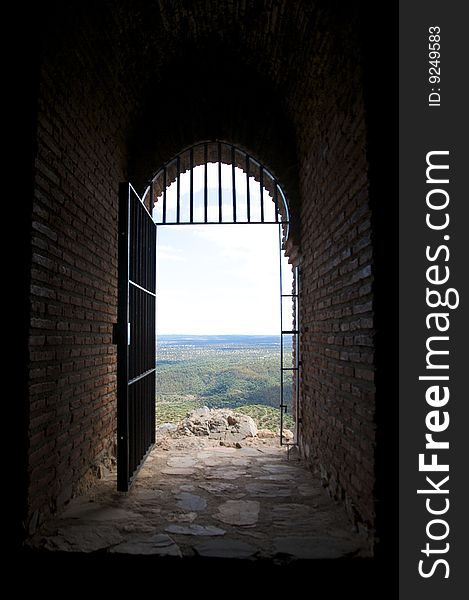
column 290, row 363
column 136, row 336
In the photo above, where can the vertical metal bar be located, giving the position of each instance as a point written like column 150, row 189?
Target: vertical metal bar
column 205, row 183
column 178, row 187
column 233, row 181
column 155, row 346
column 248, row 194
column 122, row 341
column 164, row 195
column 261, row 187
column 152, row 200
column 140, row 315
column 192, row 185
column 276, row 200
column 297, row 361
column 220, row 198
column 143, row 242
column 281, row 333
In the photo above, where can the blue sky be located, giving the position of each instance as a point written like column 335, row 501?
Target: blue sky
column 218, row 279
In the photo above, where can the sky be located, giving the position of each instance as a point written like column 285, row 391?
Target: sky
column 218, row 279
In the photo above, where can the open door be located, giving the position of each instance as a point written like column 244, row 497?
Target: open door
column 136, row 336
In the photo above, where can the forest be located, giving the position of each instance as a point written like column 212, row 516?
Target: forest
column 237, row 372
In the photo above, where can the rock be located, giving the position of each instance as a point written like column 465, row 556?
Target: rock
column 247, row 427
column 288, row 435
column 225, row 425
column 166, row 428
column 199, row 413
column 266, row 433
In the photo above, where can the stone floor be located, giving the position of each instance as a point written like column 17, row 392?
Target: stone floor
column 195, row 498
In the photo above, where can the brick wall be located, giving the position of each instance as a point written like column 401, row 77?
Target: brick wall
column 337, row 319
column 337, row 324
column 79, row 164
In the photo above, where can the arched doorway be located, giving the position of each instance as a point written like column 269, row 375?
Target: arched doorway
column 207, row 184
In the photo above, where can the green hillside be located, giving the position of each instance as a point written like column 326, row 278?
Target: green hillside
column 236, row 376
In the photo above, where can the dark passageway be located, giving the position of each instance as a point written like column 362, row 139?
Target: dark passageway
column 123, row 86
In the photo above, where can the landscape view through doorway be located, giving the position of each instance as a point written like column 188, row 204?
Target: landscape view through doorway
column 218, row 324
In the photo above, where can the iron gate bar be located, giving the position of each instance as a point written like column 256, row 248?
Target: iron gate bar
column 141, row 288
column 286, row 223
column 248, row 193
column 233, row 180
column 191, row 154
column 280, row 217
column 282, row 405
column 178, row 187
column 220, row 195
column 261, row 189
column 135, row 379
column 164, row 195
column 206, row 183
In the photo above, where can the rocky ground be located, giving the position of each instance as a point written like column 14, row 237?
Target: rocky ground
column 212, row 486
column 228, row 427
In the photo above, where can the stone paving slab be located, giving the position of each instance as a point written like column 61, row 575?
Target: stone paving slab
column 192, row 498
